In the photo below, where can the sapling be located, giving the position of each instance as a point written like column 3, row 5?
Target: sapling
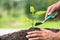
column 35, row 14
column 32, row 10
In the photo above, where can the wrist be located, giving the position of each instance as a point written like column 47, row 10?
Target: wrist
column 56, row 36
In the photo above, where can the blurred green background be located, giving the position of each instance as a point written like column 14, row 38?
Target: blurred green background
column 16, row 13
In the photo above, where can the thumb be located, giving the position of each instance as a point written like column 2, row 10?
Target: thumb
column 49, row 11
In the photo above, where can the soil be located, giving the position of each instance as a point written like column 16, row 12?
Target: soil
column 38, row 23
column 21, row 35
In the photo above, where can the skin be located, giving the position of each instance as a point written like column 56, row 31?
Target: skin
column 57, row 36
column 41, row 35
column 52, row 8
column 46, row 34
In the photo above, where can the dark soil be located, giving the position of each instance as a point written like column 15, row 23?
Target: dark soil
column 38, row 23
column 21, row 35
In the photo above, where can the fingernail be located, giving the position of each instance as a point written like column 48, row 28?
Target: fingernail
column 27, row 36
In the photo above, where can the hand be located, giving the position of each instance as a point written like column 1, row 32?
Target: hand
column 40, row 35
column 57, row 36
column 52, row 8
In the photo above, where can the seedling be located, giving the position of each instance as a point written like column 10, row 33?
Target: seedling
column 32, row 10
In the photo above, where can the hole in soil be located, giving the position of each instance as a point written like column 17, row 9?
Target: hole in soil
column 21, row 35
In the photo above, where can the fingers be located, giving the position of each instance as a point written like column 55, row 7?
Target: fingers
column 40, row 35
column 45, row 31
column 32, row 32
column 50, row 10
column 34, row 35
column 37, row 38
column 37, row 33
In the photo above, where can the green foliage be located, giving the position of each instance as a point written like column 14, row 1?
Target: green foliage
column 39, row 13
column 39, row 5
column 16, row 14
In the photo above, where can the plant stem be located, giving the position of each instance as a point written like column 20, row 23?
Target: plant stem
column 33, row 19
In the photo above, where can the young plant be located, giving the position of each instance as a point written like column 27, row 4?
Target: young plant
column 35, row 14
column 32, row 10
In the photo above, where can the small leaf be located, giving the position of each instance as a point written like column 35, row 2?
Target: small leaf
column 39, row 13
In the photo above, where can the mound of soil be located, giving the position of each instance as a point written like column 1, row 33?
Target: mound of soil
column 21, row 35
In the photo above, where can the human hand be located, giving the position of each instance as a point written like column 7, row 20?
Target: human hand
column 52, row 8
column 40, row 35
column 57, row 36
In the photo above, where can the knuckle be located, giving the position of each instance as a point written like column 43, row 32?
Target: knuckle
column 37, row 34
